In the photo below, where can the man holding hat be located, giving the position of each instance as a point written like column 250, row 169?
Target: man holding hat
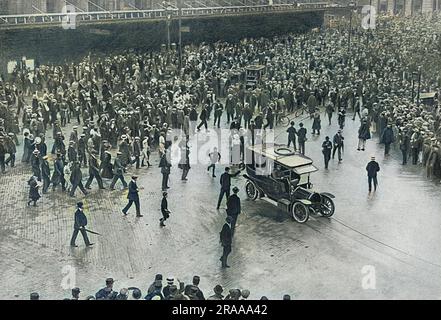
column 133, row 197
column 372, row 168
column 79, row 226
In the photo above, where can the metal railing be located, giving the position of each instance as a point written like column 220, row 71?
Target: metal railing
column 53, row 18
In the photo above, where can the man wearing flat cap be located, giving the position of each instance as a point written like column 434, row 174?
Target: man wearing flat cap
column 79, row 226
column 372, row 169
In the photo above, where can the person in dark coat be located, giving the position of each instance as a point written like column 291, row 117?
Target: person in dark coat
column 372, row 169
column 94, row 171
column 218, row 110
column 34, row 195
column 316, row 124
column 164, row 209
column 11, row 149
column 338, row 145
column 79, row 226
column 404, row 140
column 106, row 166
column 82, row 146
column 45, row 174
column 363, row 134
column 27, row 148
column 184, row 163
column 233, row 208
column 125, row 151
column 107, row 293
column 301, row 134
column 292, row 135
column 72, row 154
column 387, row 138
column 165, row 165
column 133, row 197
column 76, row 178
column 203, row 117
column 326, row 150
column 3, row 152
column 118, row 172
column 225, row 181
column 137, row 151
column 226, row 238
column 58, row 175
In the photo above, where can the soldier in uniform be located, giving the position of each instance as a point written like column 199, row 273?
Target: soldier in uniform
column 72, row 154
column 79, row 226
column 118, row 172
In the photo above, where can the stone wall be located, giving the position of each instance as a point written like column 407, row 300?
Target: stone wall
column 55, row 45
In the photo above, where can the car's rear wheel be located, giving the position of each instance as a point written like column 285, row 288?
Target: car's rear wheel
column 251, row 190
column 300, row 212
column 327, row 206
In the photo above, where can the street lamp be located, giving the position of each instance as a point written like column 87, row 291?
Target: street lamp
column 419, row 86
column 168, row 13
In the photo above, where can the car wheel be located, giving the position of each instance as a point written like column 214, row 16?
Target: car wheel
column 251, row 190
column 300, row 212
column 327, row 206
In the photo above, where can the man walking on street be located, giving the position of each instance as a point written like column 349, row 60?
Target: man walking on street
column 338, row 145
column 214, row 158
column 79, row 226
column 226, row 239
column 118, row 173
column 233, row 208
column 372, row 168
column 164, row 209
column 133, row 197
column 225, row 181
column 326, row 150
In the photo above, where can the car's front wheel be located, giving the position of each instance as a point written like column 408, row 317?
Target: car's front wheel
column 300, row 212
column 251, row 190
column 327, row 206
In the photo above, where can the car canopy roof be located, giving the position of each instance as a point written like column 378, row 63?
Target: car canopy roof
column 300, row 163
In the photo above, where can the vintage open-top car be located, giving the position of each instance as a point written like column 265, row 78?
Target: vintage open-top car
column 281, row 176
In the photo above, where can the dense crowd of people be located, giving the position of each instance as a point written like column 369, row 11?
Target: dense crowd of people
column 162, row 289
column 127, row 104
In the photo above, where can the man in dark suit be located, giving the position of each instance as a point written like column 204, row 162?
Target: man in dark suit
column 301, row 133
column 137, row 151
column 76, row 178
column 118, row 172
column 45, row 174
column 79, row 226
column 372, row 168
column 165, row 165
column 225, row 181
column 58, row 175
column 203, row 117
column 164, row 209
column 338, row 145
column 226, row 238
column 133, row 197
column 233, row 208
column 94, row 171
